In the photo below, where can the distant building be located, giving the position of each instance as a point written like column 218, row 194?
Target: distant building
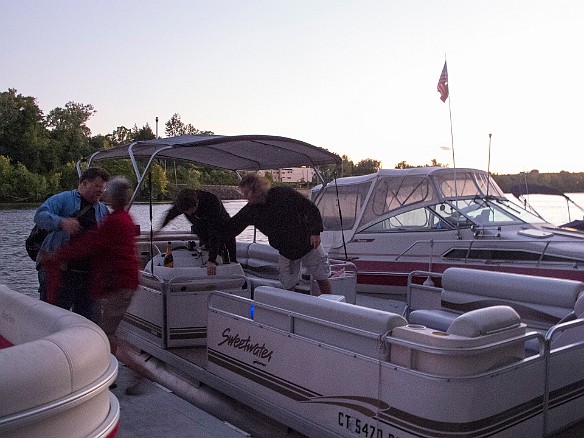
column 293, row 174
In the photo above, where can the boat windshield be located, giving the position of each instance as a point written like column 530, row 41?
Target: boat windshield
column 460, row 213
column 518, row 211
column 491, row 211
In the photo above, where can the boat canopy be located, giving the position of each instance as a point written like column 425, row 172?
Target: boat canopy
column 366, row 198
column 238, row 152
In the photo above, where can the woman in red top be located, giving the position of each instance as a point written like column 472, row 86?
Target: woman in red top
column 111, row 250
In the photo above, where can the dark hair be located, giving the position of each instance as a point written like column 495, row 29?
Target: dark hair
column 93, row 173
column 186, row 199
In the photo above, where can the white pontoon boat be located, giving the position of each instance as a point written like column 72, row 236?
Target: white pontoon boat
column 397, row 221
column 487, row 354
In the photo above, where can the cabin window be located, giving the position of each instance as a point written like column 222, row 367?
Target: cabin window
column 392, row 193
column 350, row 198
column 455, row 184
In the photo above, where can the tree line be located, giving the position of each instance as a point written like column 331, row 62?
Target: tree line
column 39, row 152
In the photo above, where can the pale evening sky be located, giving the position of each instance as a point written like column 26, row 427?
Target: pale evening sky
column 356, row 77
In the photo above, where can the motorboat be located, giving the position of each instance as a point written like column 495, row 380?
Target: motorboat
column 56, row 369
column 476, row 353
column 396, row 221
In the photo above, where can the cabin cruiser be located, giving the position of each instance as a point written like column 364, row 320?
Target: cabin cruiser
column 393, row 222
column 474, row 353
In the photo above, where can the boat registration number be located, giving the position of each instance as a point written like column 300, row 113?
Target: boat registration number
column 362, row 428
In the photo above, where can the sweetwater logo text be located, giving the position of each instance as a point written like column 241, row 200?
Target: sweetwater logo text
column 259, row 351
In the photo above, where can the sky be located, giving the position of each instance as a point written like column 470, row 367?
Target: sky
column 357, row 77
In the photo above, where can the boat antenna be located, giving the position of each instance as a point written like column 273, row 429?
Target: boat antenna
column 489, row 167
column 340, row 217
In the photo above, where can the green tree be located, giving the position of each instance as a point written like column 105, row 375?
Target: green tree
column 175, row 127
column 366, row 166
column 144, row 133
column 69, row 132
column 347, row 166
column 23, row 135
column 120, row 135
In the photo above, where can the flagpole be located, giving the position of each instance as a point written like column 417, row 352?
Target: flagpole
column 451, row 136
column 489, row 166
column 444, row 90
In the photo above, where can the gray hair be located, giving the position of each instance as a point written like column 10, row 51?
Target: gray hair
column 119, row 192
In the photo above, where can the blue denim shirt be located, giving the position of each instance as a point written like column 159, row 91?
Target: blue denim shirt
column 56, row 208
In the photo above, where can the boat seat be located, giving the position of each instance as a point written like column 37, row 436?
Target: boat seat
column 469, row 332
column 353, row 328
column 435, row 318
column 242, row 249
column 54, row 354
column 260, row 262
column 486, row 321
column 540, row 301
column 573, row 335
column 193, row 279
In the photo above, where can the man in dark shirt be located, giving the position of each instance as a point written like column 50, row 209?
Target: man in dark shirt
column 209, row 218
column 292, row 224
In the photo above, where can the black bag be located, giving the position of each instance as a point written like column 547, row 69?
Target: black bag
column 35, row 240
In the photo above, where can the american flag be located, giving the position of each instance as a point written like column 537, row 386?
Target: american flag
column 443, row 84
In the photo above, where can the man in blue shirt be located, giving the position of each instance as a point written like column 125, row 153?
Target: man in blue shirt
column 67, row 215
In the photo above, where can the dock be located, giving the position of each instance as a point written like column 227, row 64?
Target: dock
column 157, row 412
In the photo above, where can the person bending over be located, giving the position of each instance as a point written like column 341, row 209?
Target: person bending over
column 207, row 214
column 292, row 224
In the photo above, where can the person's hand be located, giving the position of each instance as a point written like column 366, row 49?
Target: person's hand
column 315, row 241
column 71, row 225
column 211, row 268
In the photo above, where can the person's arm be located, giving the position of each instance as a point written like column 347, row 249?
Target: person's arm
column 239, row 222
column 89, row 244
column 314, row 218
column 171, row 214
column 53, row 211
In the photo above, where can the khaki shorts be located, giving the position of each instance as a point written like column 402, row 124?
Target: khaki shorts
column 315, row 262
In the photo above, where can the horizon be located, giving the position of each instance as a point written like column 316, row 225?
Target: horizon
column 356, row 78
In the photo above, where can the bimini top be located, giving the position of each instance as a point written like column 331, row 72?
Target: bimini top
column 238, row 152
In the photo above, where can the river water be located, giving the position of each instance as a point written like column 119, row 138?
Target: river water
column 18, row 272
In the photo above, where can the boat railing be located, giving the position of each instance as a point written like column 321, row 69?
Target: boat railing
column 552, row 334
column 218, row 302
column 472, row 350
